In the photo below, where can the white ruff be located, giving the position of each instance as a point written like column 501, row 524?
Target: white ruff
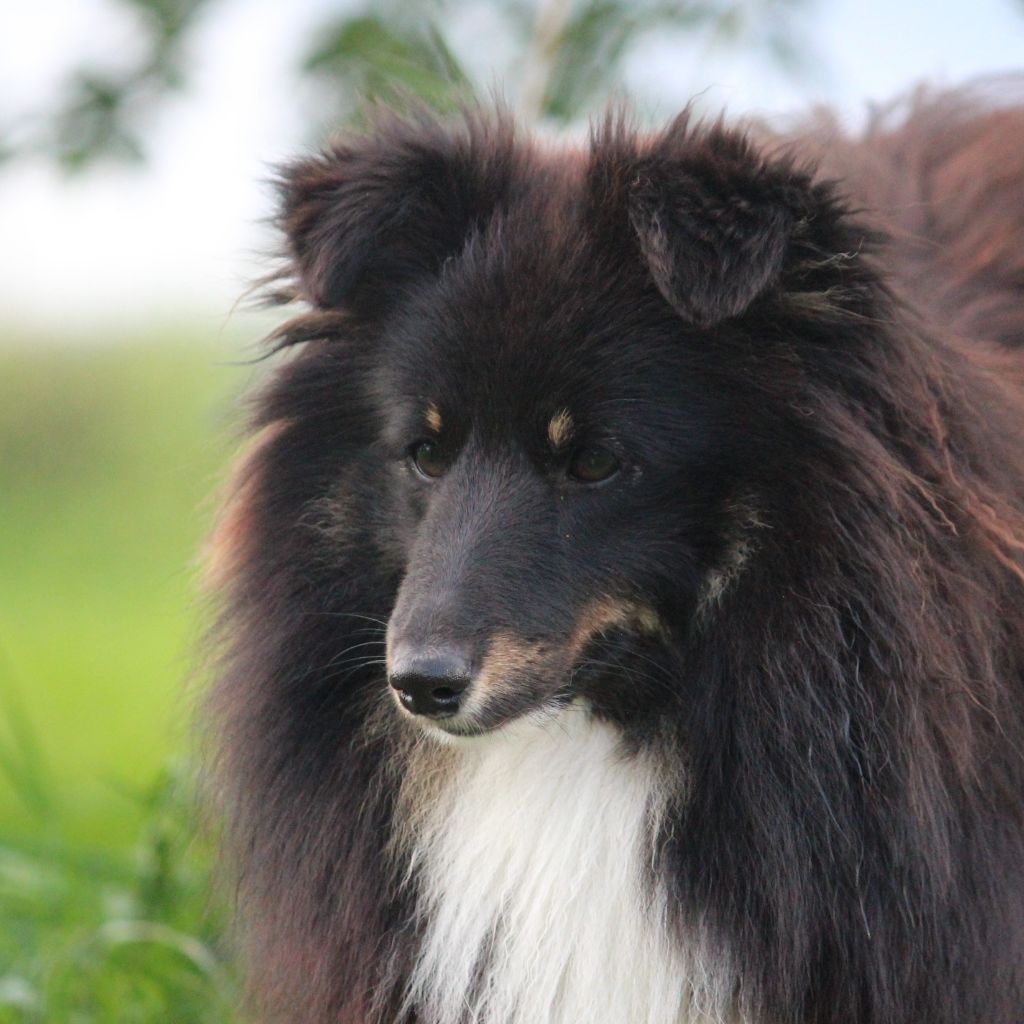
column 531, row 867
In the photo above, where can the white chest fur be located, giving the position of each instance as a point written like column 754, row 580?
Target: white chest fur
column 536, row 910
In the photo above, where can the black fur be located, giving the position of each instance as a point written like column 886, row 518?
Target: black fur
column 820, row 500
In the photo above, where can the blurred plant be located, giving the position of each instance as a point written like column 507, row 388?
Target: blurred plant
column 107, row 914
column 104, row 111
column 558, row 59
column 118, row 937
column 22, row 764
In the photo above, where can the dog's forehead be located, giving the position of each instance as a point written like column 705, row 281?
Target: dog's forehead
column 512, row 356
column 531, row 308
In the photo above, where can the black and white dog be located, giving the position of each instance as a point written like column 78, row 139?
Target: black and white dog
column 623, row 588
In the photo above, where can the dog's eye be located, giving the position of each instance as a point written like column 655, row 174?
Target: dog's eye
column 593, row 464
column 429, row 459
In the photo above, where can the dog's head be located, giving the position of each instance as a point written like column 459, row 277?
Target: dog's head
column 535, row 404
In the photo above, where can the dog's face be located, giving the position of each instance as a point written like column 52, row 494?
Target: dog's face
column 525, row 422
column 542, row 473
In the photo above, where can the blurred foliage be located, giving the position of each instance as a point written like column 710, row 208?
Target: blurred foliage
column 370, row 56
column 108, row 458
column 597, row 36
column 105, row 112
column 125, row 936
column 557, row 59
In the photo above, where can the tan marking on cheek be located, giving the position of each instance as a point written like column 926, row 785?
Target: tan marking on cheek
column 560, row 429
column 608, row 613
column 507, row 658
column 227, row 545
column 648, row 621
column 433, row 418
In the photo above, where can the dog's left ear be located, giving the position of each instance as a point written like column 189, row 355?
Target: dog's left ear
column 714, row 220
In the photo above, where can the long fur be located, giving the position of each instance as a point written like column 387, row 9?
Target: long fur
column 778, row 777
column 532, row 867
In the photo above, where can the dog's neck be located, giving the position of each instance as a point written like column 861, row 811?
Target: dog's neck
column 532, row 854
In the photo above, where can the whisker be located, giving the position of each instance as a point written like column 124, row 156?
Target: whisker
column 350, row 615
column 348, row 650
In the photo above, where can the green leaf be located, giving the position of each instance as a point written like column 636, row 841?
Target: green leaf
column 372, row 59
column 588, row 57
column 167, row 20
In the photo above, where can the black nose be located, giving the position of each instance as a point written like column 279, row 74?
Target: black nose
column 430, row 684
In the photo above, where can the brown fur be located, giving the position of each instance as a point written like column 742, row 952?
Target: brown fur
column 821, row 613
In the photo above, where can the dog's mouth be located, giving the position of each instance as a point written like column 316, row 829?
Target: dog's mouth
column 485, row 717
column 457, row 727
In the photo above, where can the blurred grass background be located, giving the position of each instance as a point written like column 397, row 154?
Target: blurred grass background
column 109, row 454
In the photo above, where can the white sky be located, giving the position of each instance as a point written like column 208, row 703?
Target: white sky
column 182, row 236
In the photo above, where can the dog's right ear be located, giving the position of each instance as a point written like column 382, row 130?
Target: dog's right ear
column 377, row 212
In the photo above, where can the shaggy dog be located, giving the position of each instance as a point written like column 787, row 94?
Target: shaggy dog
column 623, row 587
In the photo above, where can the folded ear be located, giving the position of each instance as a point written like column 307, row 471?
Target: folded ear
column 375, row 212
column 714, row 220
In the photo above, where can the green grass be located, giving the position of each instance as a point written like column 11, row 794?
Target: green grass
column 108, row 457
column 125, row 935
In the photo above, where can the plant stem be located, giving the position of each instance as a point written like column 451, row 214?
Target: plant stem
column 545, row 42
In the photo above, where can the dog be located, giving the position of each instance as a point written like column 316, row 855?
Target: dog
column 623, row 586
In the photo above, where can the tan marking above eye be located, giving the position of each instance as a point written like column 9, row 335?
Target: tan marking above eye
column 433, row 417
column 560, row 428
